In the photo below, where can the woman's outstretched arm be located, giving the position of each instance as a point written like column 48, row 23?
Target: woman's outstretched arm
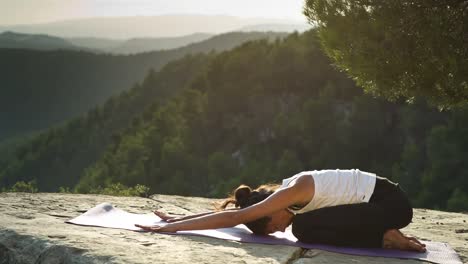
column 279, row 200
column 172, row 219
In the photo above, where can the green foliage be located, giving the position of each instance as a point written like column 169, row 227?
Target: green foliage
column 289, row 163
column 458, row 201
column 21, row 186
column 118, row 189
column 59, row 156
column 447, row 154
column 256, row 114
column 222, row 169
column 65, row 190
column 211, row 121
column 398, row 49
column 54, row 86
column 408, row 171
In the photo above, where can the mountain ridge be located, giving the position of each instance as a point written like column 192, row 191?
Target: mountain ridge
column 14, row 40
column 144, row 26
column 10, row 39
column 33, row 80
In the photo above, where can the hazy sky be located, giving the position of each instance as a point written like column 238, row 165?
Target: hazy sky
column 38, row 11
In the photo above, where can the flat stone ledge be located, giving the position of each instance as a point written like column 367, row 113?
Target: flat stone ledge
column 32, row 230
column 313, row 256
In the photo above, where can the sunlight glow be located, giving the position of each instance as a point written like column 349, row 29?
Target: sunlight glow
column 33, row 11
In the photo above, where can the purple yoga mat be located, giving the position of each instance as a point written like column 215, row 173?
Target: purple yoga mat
column 106, row 215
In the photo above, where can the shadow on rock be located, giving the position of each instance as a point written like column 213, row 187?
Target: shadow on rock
column 22, row 249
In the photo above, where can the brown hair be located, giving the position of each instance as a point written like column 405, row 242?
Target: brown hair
column 243, row 196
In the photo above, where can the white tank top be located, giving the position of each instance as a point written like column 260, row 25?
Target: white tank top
column 336, row 187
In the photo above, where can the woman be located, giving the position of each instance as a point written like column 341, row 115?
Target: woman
column 338, row 207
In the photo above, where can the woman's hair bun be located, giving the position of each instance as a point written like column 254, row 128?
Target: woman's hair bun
column 242, row 195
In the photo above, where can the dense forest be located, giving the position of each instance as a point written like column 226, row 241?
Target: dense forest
column 64, row 151
column 43, row 88
column 258, row 113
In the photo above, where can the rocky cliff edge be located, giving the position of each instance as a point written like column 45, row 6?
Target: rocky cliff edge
column 32, row 230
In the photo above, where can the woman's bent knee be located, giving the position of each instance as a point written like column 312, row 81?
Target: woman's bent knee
column 403, row 214
column 406, row 217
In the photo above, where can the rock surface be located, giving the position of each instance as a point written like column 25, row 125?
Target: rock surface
column 32, row 230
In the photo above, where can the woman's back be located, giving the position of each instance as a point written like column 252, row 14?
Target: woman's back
column 336, row 187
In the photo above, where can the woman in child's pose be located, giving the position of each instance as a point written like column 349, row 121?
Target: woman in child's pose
column 337, row 207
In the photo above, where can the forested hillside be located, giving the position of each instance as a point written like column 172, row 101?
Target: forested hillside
column 42, row 88
column 258, row 113
column 57, row 157
column 14, row 40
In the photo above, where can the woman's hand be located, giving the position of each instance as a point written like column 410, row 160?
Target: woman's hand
column 167, row 218
column 156, row 228
column 163, row 216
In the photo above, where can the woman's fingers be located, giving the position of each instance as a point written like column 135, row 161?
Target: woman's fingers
column 416, row 246
column 162, row 215
column 413, row 239
column 416, row 241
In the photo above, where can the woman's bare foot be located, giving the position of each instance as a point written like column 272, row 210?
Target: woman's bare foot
column 394, row 239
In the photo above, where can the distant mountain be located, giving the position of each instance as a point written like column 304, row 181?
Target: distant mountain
column 144, row 26
column 138, row 45
column 43, row 88
column 14, row 40
column 277, row 27
column 96, row 43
